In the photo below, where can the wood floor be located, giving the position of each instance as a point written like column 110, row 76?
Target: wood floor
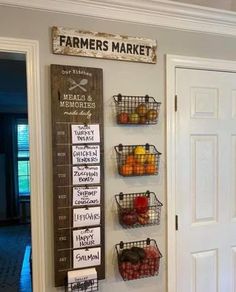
column 25, row 277
column 15, row 242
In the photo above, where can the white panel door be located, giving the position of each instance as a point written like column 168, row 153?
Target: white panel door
column 206, row 181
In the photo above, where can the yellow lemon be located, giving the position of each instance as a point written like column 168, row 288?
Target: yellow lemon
column 150, row 158
column 139, row 150
column 140, row 154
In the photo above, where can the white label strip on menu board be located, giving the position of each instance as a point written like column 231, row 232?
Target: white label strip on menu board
column 85, row 154
column 76, row 277
column 86, row 196
column 86, row 216
column 83, row 175
column 86, row 237
column 82, row 134
column 86, row 257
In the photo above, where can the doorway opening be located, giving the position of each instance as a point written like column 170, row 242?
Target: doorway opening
column 15, row 219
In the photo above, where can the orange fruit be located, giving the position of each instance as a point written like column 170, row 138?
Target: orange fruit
column 126, row 169
column 130, row 159
column 150, row 168
column 138, row 169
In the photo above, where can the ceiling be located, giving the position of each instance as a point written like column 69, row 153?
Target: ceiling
column 218, row 4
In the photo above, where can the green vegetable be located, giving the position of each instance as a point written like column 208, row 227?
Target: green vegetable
column 140, row 251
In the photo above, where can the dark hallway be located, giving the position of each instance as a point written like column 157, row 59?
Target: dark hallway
column 15, row 229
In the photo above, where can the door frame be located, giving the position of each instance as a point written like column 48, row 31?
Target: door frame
column 30, row 48
column 172, row 63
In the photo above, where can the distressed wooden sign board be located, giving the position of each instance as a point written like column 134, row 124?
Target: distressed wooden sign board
column 78, row 170
column 68, row 41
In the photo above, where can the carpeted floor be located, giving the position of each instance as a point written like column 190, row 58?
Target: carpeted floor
column 13, row 242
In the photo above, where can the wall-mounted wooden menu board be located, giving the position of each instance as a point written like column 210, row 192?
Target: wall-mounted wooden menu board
column 78, row 169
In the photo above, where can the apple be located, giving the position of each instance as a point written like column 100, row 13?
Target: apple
column 152, row 115
column 143, row 218
column 142, row 120
column 134, row 118
column 141, row 110
column 123, row 118
column 129, row 218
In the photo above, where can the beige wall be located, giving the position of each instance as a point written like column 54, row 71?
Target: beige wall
column 219, row 4
column 127, row 78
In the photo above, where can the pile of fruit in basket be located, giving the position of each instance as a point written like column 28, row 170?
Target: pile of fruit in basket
column 140, row 214
column 139, row 162
column 137, row 262
column 141, row 114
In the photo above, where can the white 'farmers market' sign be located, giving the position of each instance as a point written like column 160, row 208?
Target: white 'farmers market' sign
column 75, row 42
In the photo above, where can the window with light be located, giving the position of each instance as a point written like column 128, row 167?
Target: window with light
column 23, row 165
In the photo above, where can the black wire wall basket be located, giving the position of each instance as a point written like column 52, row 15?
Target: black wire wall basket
column 138, row 209
column 137, row 160
column 138, row 259
column 136, row 110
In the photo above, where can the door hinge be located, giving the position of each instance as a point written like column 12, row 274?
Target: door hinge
column 176, row 102
column 176, row 222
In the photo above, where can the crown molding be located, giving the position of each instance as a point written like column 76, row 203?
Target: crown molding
column 162, row 13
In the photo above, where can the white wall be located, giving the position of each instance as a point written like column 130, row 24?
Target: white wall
column 127, row 78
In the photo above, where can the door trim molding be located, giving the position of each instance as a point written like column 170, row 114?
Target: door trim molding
column 31, row 50
column 173, row 62
column 155, row 13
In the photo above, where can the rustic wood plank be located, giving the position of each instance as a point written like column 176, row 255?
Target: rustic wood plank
column 77, row 99
column 68, row 41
